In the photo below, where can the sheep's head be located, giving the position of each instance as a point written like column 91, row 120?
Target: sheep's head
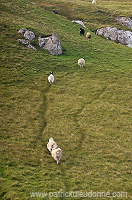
column 51, row 139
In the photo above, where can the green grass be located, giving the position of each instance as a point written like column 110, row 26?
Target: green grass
column 87, row 110
column 93, row 15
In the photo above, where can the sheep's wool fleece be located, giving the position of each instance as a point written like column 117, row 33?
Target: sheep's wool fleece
column 56, row 154
column 51, row 144
column 51, row 78
column 88, row 35
column 81, row 61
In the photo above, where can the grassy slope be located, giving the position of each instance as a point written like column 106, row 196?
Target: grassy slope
column 87, row 111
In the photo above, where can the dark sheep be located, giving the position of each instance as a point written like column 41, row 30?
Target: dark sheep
column 82, row 31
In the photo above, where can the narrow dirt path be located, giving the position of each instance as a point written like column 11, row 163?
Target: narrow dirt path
column 76, row 118
column 43, row 109
column 81, row 134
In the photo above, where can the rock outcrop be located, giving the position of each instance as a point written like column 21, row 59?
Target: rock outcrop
column 114, row 34
column 124, row 21
column 27, row 43
column 29, row 35
column 51, row 43
column 79, row 22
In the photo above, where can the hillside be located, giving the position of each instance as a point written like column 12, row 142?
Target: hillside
column 87, row 110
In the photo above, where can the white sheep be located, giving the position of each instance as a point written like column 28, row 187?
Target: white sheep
column 88, row 35
column 56, row 154
column 51, row 144
column 94, row 1
column 81, row 62
column 51, row 78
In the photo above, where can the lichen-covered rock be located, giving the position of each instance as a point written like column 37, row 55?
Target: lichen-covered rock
column 23, row 41
column 26, row 43
column 124, row 21
column 29, row 35
column 79, row 22
column 51, row 43
column 22, row 31
column 114, row 34
column 31, row 47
